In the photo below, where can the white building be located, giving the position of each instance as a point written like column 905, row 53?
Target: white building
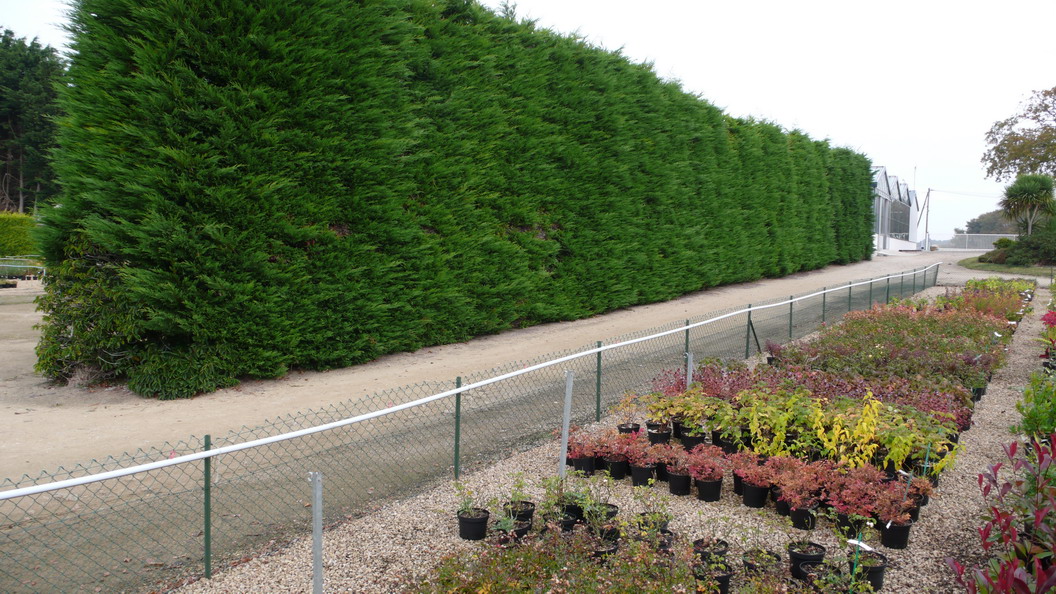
column 897, row 214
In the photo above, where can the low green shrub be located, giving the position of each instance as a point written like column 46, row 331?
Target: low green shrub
column 998, row 256
column 1038, row 406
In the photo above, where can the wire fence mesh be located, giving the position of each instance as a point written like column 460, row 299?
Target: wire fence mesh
column 148, row 530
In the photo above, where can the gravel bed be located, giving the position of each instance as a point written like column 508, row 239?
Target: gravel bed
column 396, row 546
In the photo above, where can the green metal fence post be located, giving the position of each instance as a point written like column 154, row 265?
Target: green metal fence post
column 870, row 294
column 748, row 333
column 597, row 388
column 458, row 428
column 888, row 299
column 790, row 304
column 850, row 297
column 902, row 286
column 914, row 281
column 824, row 295
column 208, row 528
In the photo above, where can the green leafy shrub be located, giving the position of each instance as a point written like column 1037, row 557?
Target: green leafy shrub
column 998, row 256
column 1038, row 407
column 15, row 234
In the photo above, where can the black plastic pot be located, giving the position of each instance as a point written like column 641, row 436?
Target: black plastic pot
column 584, row 465
column 604, row 548
column 782, row 508
column 873, row 569
column 522, row 511
column 738, row 484
column 812, row 553
column 709, row 490
column 804, row 518
column 717, row 576
column 754, row 496
column 895, row 536
column 640, row 475
column 628, row 427
column 572, row 510
column 849, row 527
column 651, row 522
column 656, row 437
column 473, row 526
column 679, row 484
column 691, row 441
column 676, row 428
column 617, row 469
column 710, row 551
column 756, row 560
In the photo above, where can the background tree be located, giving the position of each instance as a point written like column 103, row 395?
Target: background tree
column 1025, row 142
column 1028, row 199
column 994, row 221
column 28, row 76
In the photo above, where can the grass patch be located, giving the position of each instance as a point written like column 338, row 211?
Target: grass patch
column 975, row 264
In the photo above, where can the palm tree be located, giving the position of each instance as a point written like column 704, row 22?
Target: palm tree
column 1028, row 199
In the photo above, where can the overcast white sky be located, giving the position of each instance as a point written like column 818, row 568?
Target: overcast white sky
column 913, row 84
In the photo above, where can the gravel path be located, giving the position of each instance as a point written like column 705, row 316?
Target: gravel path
column 399, row 543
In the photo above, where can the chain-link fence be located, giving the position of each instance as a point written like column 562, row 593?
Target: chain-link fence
column 21, row 267
column 145, row 521
column 972, row 241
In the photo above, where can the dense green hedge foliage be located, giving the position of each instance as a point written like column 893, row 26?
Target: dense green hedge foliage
column 15, row 234
column 318, row 183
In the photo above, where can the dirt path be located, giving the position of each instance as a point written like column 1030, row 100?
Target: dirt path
column 47, row 426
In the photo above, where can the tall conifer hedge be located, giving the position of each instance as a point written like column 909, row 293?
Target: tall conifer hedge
column 251, row 185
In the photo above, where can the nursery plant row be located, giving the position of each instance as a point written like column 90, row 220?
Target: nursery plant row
column 853, row 427
column 1018, row 531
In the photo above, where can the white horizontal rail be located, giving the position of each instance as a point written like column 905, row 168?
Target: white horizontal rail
column 122, row 472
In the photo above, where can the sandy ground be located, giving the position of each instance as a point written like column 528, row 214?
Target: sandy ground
column 48, row 426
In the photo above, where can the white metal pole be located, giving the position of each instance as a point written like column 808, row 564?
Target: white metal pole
column 317, row 531
column 689, row 369
column 565, row 424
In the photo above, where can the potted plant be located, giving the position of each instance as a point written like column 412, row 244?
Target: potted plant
column 803, row 551
column 852, row 494
column 710, row 548
column 627, row 410
column 756, row 485
column 659, row 410
column 868, row 565
column 654, row 516
column 707, row 466
column 563, row 501
column 642, row 458
column 827, row 576
column 739, row 462
column 892, row 510
column 472, row 517
column 581, row 450
column 518, row 504
column 676, row 460
column 783, row 470
column 598, row 513
column 760, row 560
column 801, row 489
column 509, row 528
column 713, row 574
